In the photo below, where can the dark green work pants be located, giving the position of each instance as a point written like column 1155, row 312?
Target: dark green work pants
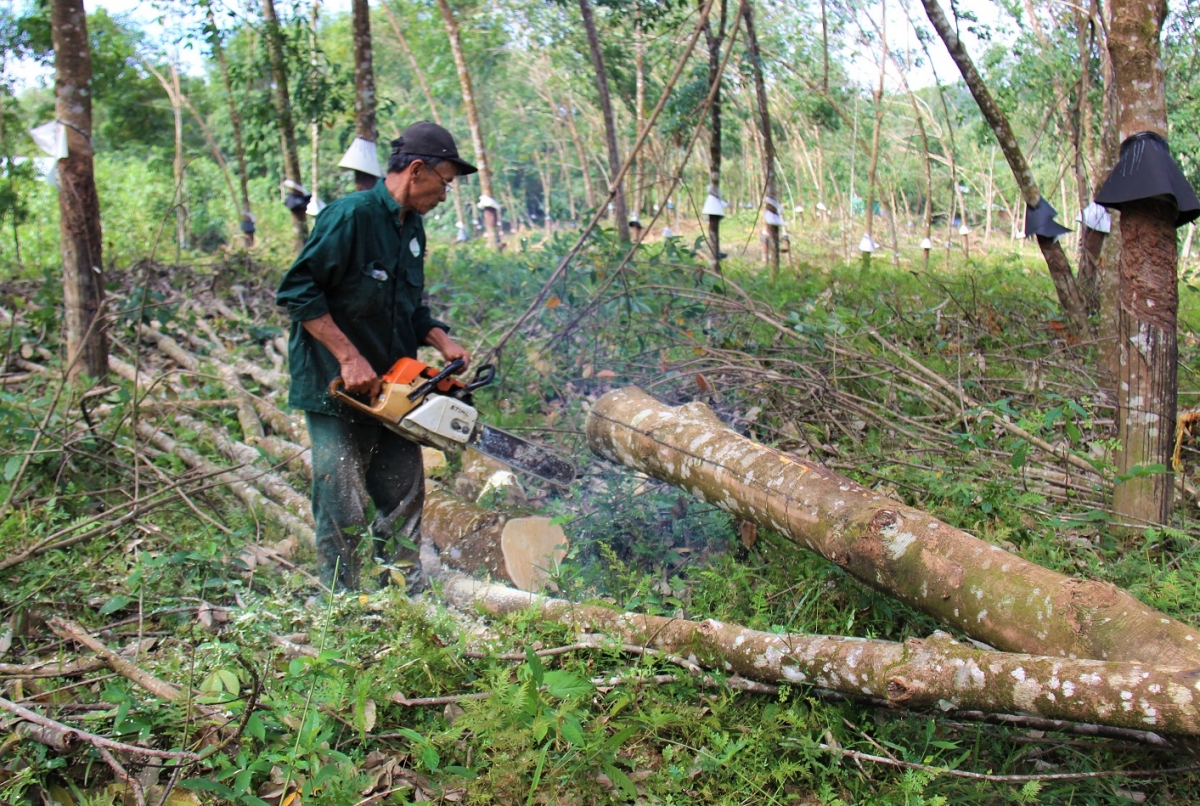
column 354, row 463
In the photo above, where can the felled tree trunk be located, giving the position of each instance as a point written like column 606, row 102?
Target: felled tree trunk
column 920, row 673
column 518, row 550
column 991, row 595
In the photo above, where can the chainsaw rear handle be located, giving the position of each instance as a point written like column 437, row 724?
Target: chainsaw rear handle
column 337, row 391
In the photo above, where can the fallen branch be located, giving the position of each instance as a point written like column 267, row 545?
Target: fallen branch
column 996, row 597
column 70, row 631
column 92, row 738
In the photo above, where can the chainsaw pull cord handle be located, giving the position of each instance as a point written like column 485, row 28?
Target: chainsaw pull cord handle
column 483, row 376
column 429, row 385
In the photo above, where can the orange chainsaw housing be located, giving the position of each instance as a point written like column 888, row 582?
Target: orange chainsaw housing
column 406, row 371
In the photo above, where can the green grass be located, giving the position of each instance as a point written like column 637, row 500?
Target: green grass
column 544, row 734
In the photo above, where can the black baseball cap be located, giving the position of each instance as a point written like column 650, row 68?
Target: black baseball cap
column 426, row 139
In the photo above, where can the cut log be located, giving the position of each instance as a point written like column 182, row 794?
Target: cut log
column 934, row 672
column 247, row 493
column 248, row 470
column 520, row 550
column 994, row 596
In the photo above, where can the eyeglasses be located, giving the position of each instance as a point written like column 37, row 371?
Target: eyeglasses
column 447, row 182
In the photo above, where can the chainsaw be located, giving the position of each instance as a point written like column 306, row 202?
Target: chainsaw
column 432, row 407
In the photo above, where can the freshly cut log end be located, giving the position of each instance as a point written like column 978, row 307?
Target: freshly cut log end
column 517, row 550
column 532, row 548
column 994, row 596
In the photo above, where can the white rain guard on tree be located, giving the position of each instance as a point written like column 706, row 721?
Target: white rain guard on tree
column 315, row 205
column 772, row 218
column 52, row 138
column 822, row 208
column 867, row 245
column 487, row 202
column 1095, row 217
column 713, row 206
column 361, row 156
column 964, row 230
column 926, row 243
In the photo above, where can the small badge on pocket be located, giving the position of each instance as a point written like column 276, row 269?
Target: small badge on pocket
column 414, row 247
column 379, row 274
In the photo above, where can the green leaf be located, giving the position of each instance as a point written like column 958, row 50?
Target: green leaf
column 12, row 466
column 564, row 685
column 230, row 681
column 114, row 604
column 430, row 758
column 621, row 780
column 205, row 785
column 1018, row 457
column 572, row 729
column 255, row 727
column 241, row 781
column 536, row 669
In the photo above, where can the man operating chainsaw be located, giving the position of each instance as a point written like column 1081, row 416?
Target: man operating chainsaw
column 354, row 296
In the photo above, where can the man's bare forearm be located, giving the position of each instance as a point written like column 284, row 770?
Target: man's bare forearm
column 331, row 337
column 357, row 373
column 440, row 340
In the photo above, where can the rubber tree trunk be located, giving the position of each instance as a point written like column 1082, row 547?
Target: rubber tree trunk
column 180, row 190
column 589, row 191
column 78, row 204
column 770, row 184
column 877, row 129
column 714, row 42
column 518, row 550
column 235, row 121
column 456, row 188
column 617, row 193
column 1070, row 298
column 919, row 673
column 283, row 108
column 639, row 62
column 998, row 598
column 1148, row 288
column 364, row 86
column 491, row 222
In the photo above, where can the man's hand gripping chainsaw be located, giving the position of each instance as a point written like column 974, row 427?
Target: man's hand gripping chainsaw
column 433, row 408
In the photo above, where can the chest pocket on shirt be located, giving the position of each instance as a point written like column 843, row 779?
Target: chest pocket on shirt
column 413, row 268
column 372, row 289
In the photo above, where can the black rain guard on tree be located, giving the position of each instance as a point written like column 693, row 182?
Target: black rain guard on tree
column 1040, row 221
column 1146, row 170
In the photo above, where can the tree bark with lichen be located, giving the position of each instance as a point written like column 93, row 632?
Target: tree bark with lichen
column 1147, row 288
column 934, row 672
column 988, row 593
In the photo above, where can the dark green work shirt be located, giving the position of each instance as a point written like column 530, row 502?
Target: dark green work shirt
column 367, row 270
